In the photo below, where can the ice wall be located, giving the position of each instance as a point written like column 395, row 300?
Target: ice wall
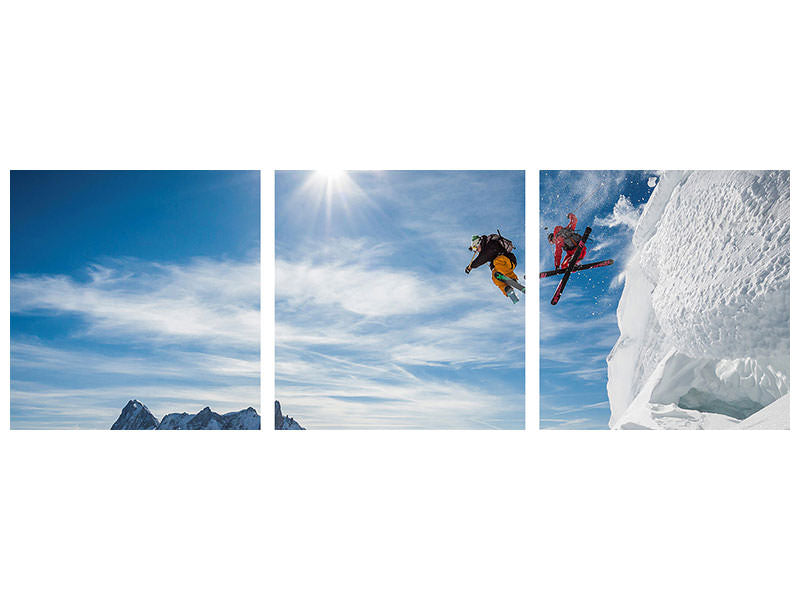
column 704, row 315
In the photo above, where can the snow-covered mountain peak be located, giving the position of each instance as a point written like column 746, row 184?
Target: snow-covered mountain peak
column 243, row 419
column 284, row 422
column 205, row 419
column 135, row 415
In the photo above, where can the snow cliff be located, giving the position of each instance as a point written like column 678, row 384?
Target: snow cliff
column 135, row 415
column 704, row 315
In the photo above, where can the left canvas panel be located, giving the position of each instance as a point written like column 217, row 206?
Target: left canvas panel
column 135, row 300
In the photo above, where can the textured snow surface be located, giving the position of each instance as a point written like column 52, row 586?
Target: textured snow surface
column 176, row 421
column 704, row 316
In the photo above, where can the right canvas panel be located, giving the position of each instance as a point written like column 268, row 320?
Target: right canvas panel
column 664, row 299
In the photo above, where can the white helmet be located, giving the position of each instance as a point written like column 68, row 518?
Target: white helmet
column 475, row 246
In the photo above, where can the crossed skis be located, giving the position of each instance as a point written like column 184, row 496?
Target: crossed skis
column 601, row 263
column 571, row 268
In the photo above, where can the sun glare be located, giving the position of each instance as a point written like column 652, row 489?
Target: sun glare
column 330, row 183
column 328, row 192
column 330, row 175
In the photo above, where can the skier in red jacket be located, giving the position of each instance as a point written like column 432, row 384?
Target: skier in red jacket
column 568, row 239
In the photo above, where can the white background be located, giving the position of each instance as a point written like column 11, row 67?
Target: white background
column 361, row 85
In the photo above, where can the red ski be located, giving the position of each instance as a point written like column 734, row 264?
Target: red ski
column 601, row 263
column 568, row 272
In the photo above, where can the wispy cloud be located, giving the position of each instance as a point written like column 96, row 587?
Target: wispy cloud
column 579, row 408
column 576, row 423
column 593, row 373
column 44, row 406
column 364, row 402
column 320, row 374
column 206, row 301
column 356, row 288
column 177, row 337
column 154, row 363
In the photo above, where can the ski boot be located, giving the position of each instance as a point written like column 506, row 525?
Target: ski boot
column 509, row 291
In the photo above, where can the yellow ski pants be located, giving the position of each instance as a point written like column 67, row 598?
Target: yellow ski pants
column 502, row 264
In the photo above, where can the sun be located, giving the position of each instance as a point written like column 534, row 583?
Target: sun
column 332, row 182
column 331, row 192
column 333, row 186
column 330, row 175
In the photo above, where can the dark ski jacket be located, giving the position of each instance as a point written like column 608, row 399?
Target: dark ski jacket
column 491, row 249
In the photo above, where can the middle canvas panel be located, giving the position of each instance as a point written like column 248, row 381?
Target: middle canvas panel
column 399, row 299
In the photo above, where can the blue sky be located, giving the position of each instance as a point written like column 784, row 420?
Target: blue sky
column 132, row 284
column 577, row 334
column 377, row 325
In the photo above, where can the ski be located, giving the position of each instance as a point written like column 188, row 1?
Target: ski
column 601, row 263
column 511, row 282
column 568, row 272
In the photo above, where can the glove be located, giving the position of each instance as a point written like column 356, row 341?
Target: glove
column 468, row 269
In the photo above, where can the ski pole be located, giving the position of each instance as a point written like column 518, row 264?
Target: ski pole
column 473, row 257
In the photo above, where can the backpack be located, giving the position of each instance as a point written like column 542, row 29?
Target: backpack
column 506, row 245
column 571, row 238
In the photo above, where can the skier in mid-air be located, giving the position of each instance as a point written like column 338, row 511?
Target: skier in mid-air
column 566, row 238
column 497, row 251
